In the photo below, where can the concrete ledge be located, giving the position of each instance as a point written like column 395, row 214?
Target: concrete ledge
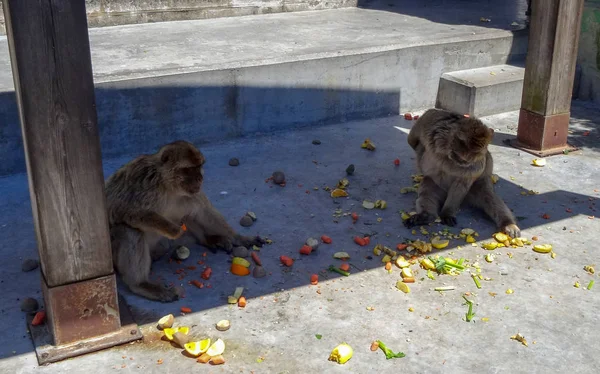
column 482, row 91
column 209, row 80
column 124, row 12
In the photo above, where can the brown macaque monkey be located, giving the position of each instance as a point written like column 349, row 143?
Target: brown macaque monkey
column 149, row 199
column 452, row 154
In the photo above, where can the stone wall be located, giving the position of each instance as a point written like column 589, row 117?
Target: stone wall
column 122, row 12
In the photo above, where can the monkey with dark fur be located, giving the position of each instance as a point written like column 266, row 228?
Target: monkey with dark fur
column 150, row 198
column 452, row 154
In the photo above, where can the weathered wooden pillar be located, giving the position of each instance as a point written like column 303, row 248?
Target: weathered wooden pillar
column 549, row 75
column 52, row 72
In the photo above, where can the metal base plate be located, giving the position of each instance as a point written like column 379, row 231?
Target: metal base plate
column 545, row 153
column 48, row 353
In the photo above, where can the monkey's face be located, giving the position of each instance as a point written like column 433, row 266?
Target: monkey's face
column 471, row 146
column 183, row 166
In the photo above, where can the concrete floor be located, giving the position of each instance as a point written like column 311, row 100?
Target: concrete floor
column 276, row 331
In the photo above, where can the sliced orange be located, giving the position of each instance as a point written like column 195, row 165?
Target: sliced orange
column 197, row 348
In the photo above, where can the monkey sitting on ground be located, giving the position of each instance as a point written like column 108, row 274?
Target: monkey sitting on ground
column 150, row 198
column 452, row 154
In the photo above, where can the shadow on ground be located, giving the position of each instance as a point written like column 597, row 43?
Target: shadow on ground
column 300, row 210
column 501, row 14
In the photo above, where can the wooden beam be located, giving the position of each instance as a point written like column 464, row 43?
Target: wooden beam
column 549, row 76
column 52, row 72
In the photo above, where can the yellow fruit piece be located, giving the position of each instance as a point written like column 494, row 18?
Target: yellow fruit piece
column 542, row 248
column 500, row 237
column 368, row 144
column 509, row 291
column 368, row 204
column 467, row 231
column 216, row 348
column 427, row 264
column 401, row 262
column 402, row 286
column 539, row 162
column 338, row 193
column 197, row 348
column 494, row 178
column 421, row 246
column 341, row 354
column 517, row 241
column 470, row 239
column 386, row 258
column 380, row 204
column 166, row 322
column 404, row 216
column 169, row 332
column 439, row 243
column 241, row 261
column 377, row 250
column 489, row 257
column 490, row 246
column 407, row 273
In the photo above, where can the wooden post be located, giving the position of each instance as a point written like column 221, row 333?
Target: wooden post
column 52, row 72
column 549, row 75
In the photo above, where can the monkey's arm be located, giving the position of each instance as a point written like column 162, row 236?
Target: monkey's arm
column 151, row 221
column 413, row 136
column 456, row 194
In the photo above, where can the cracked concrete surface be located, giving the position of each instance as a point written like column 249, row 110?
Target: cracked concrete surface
column 275, row 332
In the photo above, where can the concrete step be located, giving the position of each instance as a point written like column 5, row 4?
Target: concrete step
column 212, row 79
column 482, row 91
column 124, row 12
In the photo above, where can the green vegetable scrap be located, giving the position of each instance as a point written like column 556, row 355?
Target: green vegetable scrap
column 476, row 280
column 469, row 316
column 389, row 354
column 590, row 285
column 339, row 271
column 447, row 265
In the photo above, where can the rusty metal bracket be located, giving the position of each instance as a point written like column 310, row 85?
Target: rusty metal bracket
column 542, row 135
column 82, row 317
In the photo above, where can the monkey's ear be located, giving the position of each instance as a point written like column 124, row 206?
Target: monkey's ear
column 165, row 157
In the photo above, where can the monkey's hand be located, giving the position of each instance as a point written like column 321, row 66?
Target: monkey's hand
column 512, row 230
column 448, row 220
column 173, row 232
column 419, row 219
column 249, row 241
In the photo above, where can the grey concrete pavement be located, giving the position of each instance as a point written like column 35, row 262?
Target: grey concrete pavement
column 276, row 331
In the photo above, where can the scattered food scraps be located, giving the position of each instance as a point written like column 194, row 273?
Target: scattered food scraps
column 389, row 354
column 397, row 162
column 374, row 346
column 590, row 285
column 469, row 316
column 538, row 162
column 444, row 288
column 439, row 243
column 368, row 145
column 542, row 248
column 520, row 338
column 314, row 279
column 341, row 255
column 255, row 258
column 217, row 348
column 408, row 116
column 339, row 193
column 339, row 271
column 326, row 239
column 206, row 273
column 402, row 286
column 166, row 321
column 368, row 204
column 195, row 349
column 39, row 318
column 341, row 354
column 222, row 325
column 233, row 299
column 545, row 216
column 287, row 261
column 242, row 302
column 360, row 241
column 239, row 270
column 590, row 269
column 185, row 309
column 305, row 250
